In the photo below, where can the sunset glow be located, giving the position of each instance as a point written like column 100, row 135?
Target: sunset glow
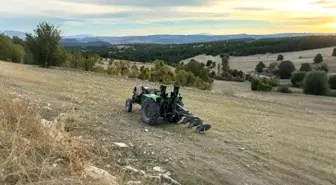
column 136, row 17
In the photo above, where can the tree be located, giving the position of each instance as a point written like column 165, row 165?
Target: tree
column 260, row 67
column 318, row 59
column 285, row 69
column 10, row 51
column 297, row 78
column 334, row 52
column 225, row 65
column 44, row 44
column 280, row 58
column 332, row 82
column 209, row 63
column 316, row 83
column 322, row 67
column 306, row 67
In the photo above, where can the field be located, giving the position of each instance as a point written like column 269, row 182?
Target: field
column 249, row 62
column 257, row 138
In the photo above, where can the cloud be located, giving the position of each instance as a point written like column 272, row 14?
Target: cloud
column 251, row 8
column 74, row 23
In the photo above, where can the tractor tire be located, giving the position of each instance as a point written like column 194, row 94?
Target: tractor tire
column 150, row 112
column 128, row 105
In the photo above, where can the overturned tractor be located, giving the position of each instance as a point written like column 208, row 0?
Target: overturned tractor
column 157, row 104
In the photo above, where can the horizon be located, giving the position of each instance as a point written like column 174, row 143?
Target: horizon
column 176, row 17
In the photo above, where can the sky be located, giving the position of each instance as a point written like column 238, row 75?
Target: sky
column 147, row 17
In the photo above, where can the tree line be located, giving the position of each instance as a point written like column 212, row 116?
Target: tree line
column 174, row 53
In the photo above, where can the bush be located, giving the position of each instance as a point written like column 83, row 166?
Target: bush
column 297, row 78
column 332, row 82
column 99, row 69
column 334, row 52
column 274, row 81
column 318, row 59
column 209, row 63
column 261, row 84
column 260, row 67
column 286, row 68
column 280, row 58
column 284, row 89
column 10, row 51
column 306, row 67
column 322, row 67
column 112, row 71
column 316, row 83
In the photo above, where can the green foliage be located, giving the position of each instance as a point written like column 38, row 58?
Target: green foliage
column 10, row 51
column 197, row 69
column 273, row 66
column 161, row 73
column 284, row 89
column 322, row 67
column 286, row 68
column 261, row 84
column 280, row 58
column 134, row 73
column 274, row 81
column 174, row 53
column 297, row 78
column 316, row 83
column 260, row 67
column 112, row 71
column 318, row 59
column 334, row 52
column 145, row 74
column 209, row 63
column 43, row 44
column 332, row 82
column 225, row 65
column 306, row 67
column 98, row 69
column 123, row 67
column 185, row 78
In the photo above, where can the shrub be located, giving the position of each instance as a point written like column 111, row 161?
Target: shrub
column 261, row 84
column 318, row 59
column 10, row 51
column 209, row 63
column 316, row 82
column 99, row 69
column 260, row 67
column 297, row 78
column 334, row 52
column 274, row 81
column 273, row 66
column 332, row 82
column 112, row 71
column 306, row 67
column 284, row 89
column 280, row 58
column 322, row 67
column 286, row 68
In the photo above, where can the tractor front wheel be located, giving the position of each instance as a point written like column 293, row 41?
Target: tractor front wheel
column 128, row 105
column 150, row 111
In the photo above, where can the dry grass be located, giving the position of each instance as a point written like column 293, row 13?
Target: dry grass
column 33, row 154
column 247, row 63
column 289, row 138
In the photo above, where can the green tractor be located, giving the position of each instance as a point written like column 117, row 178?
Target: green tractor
column 157, row 104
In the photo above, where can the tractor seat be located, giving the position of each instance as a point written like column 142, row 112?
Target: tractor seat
column 139, row 90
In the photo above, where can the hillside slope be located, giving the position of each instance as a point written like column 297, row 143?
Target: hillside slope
column 256, row 138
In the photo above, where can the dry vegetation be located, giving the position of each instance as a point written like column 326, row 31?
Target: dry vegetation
column 257, row 138
column 247, row 63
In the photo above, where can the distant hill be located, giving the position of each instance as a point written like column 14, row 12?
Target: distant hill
column 90, row 40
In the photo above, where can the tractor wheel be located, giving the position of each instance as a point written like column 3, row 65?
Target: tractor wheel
column 150, row 111
column 128, row 105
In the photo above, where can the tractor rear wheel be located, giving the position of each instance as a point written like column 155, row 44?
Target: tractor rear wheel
column 150, row 111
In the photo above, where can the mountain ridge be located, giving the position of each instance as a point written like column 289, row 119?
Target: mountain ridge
column 88, row 40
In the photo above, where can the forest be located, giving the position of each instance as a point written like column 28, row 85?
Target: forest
column 173, row 53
